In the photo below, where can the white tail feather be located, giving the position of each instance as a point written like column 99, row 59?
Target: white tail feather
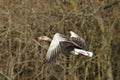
column 83, row 52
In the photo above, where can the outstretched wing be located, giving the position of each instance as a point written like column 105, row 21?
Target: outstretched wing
column 54, row 48
column 77, row 39
column 52, row 54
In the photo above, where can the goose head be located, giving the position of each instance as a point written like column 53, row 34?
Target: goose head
column 44, row 38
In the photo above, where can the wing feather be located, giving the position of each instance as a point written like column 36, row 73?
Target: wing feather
column 55, row 48
column 77, row 39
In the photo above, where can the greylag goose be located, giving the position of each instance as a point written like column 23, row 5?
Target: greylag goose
column 62, row 44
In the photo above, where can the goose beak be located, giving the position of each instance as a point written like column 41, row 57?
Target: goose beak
column 45, row 38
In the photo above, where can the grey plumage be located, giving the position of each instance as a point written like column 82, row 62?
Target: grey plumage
column 63, row 44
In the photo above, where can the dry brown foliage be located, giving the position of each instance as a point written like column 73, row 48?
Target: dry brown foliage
column 22, row 21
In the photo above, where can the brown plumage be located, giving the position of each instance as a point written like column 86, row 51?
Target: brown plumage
column 63, row 44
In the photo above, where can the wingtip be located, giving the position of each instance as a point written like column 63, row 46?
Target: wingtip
column 73, row 34
column 45, row 61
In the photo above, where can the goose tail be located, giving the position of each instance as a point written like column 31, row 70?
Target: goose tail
column 83, row 52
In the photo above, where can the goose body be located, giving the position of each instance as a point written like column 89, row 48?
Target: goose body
column 62, row 44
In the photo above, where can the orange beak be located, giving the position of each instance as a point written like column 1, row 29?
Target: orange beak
column 45, row 38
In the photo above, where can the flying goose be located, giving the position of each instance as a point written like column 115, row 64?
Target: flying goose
column 62, row 44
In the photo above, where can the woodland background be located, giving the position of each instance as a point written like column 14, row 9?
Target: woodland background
column 22, row 21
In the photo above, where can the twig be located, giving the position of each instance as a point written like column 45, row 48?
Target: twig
column 8, row 78
column 110, row 5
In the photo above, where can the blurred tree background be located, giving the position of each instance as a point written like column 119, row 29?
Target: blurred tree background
column 22, row 21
